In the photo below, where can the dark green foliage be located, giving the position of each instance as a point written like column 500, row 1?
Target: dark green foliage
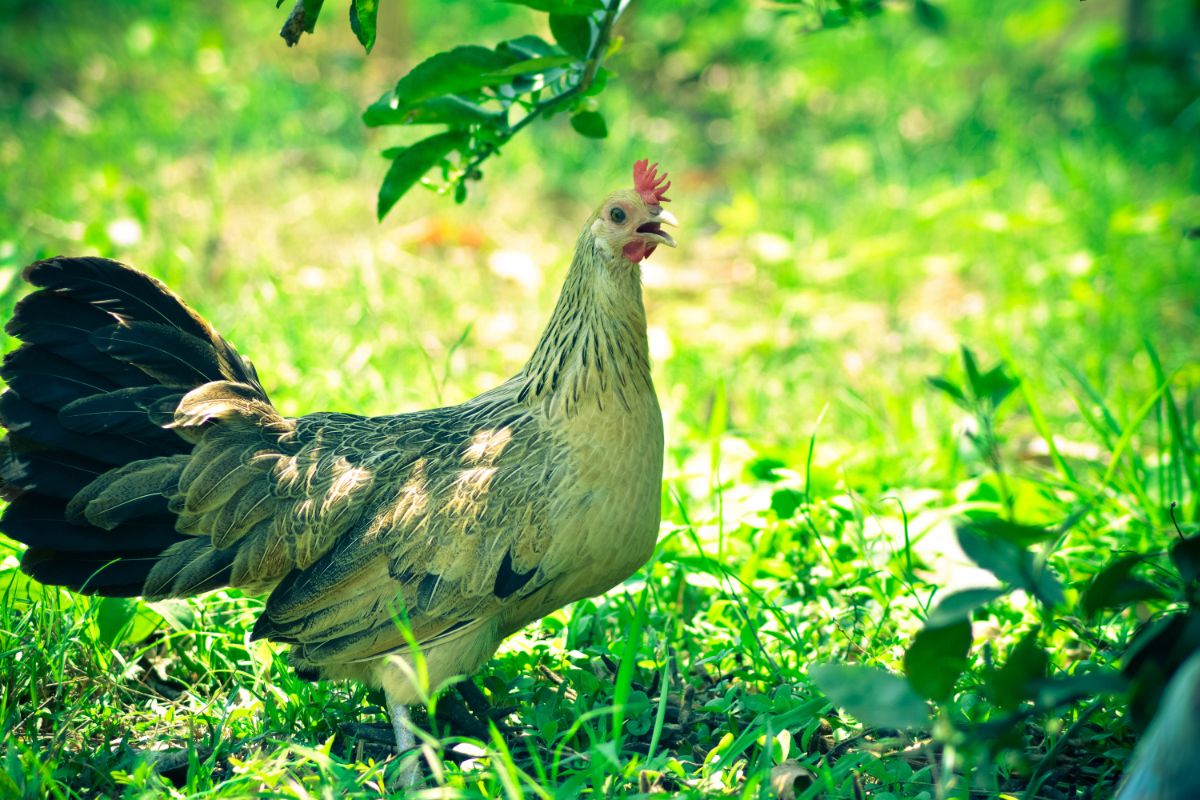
column 1011, row 563
column 363, row 15
column 930, row 15
column 1014, row 681
column 410, row 163
column 583, row 7
column 1185, row 555
column 573, row 33
column 873, row 695
column 1018, row 555
column 957, row 606
column 590, row 124
column 937, row 657
column 1114, row 587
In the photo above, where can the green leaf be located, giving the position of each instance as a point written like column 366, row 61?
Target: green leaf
column 955, row 393
column 561, row 6
column 996, row 385
column 599, row 81
column 765, row 468
column 179, row 614
column 112, row 614
column 784, row 502
column 990, row 387
column 1020, row 535
column 930, row 16
column 1013, row 682
column 362, row 21
column 1114, row 587
column 936, row 658
column 1010, row 563
column 452, row 72
column 541, row 64
column 448, row 110
column 1052, row 692
column 410, row 163
column 573, row 33
column 1001, row 558
column 590, row 124
column 874, row 696
column 959, row 605
column 385, row 111
column 8, row 786
column 1185, row 555
column 1045, row 585
column 528, row 46
column 972, row 370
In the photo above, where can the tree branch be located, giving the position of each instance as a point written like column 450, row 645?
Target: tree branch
column 293, row 26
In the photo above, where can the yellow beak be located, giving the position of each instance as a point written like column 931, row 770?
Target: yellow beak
column 651, row 230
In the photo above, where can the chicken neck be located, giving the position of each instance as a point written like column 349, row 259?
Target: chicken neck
column 594, row 349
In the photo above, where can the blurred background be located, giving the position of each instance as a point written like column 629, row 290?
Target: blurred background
column 856, row 204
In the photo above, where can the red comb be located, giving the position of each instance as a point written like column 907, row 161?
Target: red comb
column 649, row 184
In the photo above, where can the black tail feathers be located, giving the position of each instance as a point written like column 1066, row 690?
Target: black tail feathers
column 106, row 354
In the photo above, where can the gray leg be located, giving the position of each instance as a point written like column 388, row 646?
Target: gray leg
column 405, row 742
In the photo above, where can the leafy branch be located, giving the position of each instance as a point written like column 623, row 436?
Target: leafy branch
column 474, row 92
column 483, row 97
column 587, row 122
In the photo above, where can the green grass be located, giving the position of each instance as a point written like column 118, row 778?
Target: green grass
column 856, row 204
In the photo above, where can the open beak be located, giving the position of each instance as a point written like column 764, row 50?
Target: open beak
column 651, row 230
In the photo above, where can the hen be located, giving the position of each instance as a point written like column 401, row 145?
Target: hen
column 143, row 457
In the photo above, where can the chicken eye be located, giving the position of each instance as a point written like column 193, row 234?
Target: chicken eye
column 617, row 214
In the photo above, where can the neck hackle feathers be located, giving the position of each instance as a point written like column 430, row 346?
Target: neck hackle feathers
column 649, row 184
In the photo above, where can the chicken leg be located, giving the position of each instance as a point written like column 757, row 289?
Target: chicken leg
column 410, row 775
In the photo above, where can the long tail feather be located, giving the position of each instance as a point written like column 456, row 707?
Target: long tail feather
column 96, row 446
column 120, row 411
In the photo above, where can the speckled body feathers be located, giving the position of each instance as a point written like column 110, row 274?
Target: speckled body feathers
column 144, row 457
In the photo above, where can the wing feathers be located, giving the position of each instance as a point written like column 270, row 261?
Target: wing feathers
column 212, row 479
column 189, row 567
column 135, row 490
column 235, row 519
column 224, row 400
column 264, row 557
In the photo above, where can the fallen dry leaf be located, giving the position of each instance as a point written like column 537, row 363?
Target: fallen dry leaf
column 785, row 776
